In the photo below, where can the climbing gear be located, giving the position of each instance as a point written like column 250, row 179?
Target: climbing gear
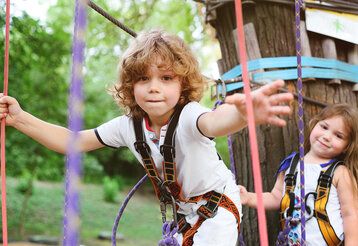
column 320, row 213
column 168, row 190
column 320, row 197
column 207, row 211
column 287, row 202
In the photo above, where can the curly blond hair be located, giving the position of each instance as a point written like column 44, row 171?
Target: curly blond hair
column 146, row 48
column 349, row 115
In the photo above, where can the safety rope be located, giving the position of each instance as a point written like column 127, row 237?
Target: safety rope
column 251, row 126
column 298, row 5
column 123, row 206
column 75, row 110
column 111, row 18
column 3, row 124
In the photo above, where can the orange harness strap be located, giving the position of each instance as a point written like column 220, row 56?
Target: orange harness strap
column 224, row 202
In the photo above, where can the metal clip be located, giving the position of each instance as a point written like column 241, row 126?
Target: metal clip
column 167, row 199
column 223, row 90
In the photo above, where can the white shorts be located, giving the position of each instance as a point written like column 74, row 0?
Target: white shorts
column 221, row 230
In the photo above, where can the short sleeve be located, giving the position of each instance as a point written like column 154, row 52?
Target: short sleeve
column 188, row 120
column 114, row 132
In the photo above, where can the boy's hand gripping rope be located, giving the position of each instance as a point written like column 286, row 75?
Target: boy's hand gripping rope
column 251, row 126
column 3, row 124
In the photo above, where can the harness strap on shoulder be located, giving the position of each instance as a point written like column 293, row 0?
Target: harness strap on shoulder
column 168, row 152
column 287, row 201
column 320, row 212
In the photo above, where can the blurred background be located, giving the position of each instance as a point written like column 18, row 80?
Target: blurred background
column 39, row 76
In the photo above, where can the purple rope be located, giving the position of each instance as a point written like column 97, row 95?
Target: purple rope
column 282, row 236
column 71, row 222
column 169, row 231
column 229, row 143
column 123, row 206
column 298, row 4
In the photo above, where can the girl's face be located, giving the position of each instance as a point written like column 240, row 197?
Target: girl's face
column 329, row 138
column 157, row 92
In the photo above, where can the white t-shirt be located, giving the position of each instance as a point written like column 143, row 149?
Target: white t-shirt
column 199, row 168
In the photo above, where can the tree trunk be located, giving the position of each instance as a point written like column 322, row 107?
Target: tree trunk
column 275, row 30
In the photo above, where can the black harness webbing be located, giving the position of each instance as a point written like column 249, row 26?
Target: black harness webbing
column 168, row 190
column 321, row 199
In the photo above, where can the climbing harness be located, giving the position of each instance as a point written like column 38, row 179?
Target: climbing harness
column 168, row 190
column 320, row 197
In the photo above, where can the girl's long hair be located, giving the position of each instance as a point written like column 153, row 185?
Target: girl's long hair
column 350, row 118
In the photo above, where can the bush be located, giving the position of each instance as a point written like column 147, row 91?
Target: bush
column 25, row 184
column 110, row 189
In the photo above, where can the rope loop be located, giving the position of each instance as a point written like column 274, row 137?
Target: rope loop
column 169, row 229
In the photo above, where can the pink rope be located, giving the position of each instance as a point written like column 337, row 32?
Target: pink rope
column 3, row 123
column 251, row 126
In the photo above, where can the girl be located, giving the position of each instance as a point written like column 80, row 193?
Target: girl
column 158, row 78
column 331, row 204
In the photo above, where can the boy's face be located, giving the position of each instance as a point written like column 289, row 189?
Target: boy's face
column 329, row 138
column 157, row 92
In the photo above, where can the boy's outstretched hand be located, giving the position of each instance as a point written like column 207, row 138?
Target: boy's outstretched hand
column 9, row 109
column 268, row 105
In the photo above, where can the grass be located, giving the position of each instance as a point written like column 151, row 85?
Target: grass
column 140, row 224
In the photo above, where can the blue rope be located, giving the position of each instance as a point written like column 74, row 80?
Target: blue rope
column 123, row 206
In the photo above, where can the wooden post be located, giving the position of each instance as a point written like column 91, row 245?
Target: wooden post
column 252, row 45
column 353, row 59
column 330, row 52
column 305, row 42
column 305, row 45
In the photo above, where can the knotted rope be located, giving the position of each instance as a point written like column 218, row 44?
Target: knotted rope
column 168, row 231
column 71, row 222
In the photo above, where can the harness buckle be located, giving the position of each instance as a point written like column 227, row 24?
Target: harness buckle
column 205, row 212
column 325, row 180
column 165, row 147
column 290, row 179
column 210, row 209
column 140, row 146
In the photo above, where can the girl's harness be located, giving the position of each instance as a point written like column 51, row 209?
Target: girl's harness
column 168, row 190
column 320, row 196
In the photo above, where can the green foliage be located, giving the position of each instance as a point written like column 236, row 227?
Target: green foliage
column 40, row 58
column 140, row 224
column 110, row 189
column 25, row 184
column 93, row 171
